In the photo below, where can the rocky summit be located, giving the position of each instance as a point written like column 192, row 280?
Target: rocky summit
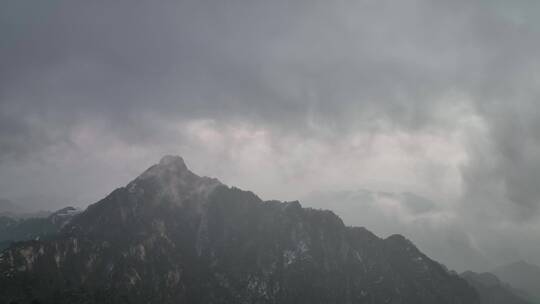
column 171, row 236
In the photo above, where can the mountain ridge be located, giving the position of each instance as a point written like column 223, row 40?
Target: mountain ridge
column 492, row 290
column 522, row 275
column 172, row 236
column 17, row 229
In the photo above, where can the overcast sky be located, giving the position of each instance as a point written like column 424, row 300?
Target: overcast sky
column 435, row 102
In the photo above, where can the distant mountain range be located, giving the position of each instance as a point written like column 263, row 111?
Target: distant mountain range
column 171, row 236
column 15, row 229
column 523, row 276
column 492, row 290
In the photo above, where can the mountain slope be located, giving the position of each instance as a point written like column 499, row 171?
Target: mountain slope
column 171, row 236
column 522, row 275
column 492, row 290
column 21, row 229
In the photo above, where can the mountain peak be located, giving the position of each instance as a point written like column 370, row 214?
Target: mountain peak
column 172, row 236
column 171, row 178
column 173, row 161
column 169, row 165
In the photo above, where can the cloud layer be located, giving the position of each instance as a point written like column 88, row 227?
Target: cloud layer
column 283, row 98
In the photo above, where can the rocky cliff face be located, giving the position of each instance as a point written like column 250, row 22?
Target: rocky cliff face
column 171, row 236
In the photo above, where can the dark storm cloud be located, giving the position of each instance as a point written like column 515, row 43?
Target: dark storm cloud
column 113, row 59
column 101, row 86
column 278, row 62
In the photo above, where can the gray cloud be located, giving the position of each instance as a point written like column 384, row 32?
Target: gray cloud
column 283, row 97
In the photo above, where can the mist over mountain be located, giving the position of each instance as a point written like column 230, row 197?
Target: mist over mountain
column 170, row 236
column 522, row 275
column 492, row 291
column 8, row 207
column 424, row 221
column 439, row 99
column 415, row 117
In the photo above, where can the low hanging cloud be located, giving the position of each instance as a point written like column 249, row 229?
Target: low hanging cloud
column 285, row 98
